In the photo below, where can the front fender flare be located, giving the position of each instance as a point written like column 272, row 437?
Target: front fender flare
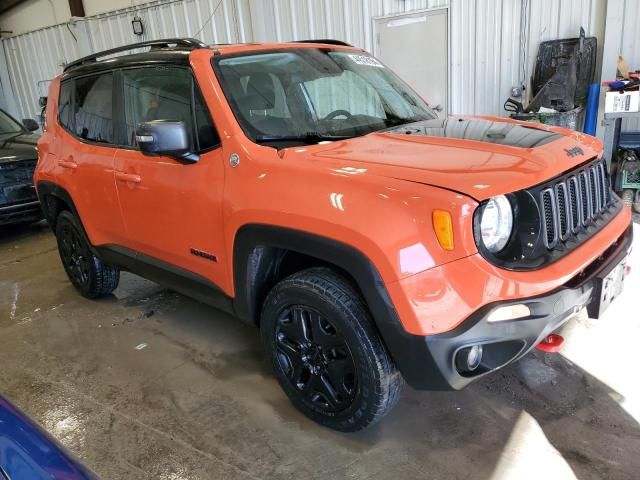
column 255, row 248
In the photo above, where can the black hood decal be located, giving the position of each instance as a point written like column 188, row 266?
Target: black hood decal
column 480, row 130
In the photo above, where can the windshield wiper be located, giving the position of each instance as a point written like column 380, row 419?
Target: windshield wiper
column 310, row 137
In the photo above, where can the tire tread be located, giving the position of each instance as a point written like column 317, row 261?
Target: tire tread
column 343, row 295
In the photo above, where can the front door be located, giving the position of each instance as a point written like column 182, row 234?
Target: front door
column 415, row 47
column 172, row 210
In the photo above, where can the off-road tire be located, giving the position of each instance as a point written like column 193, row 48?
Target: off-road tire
column 90, row 275
column 334, row 305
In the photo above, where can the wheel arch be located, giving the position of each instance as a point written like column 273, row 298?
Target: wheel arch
column 263, row 254
column 54, row 199
column 259, row 252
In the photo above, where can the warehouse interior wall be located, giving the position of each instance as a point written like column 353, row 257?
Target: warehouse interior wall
column 34, row 14
column 485, row 44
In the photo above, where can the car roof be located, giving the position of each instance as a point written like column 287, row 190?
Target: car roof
column 179, row 55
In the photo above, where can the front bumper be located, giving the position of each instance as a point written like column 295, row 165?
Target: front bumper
column 428, row 362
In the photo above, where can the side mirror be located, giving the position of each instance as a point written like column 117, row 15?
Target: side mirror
column 163, row 137
column 30, row 124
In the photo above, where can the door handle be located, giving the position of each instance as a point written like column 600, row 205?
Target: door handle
column 128, row 177
column 68, row 164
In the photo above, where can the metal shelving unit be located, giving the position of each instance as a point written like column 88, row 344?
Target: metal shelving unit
column 612, row 123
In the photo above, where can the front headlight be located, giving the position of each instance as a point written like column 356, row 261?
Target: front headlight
column 496, row 223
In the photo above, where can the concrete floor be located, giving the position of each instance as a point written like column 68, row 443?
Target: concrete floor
column 149, row 384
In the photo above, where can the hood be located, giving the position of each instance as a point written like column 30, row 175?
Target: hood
column 477, row 156
column 18, row 146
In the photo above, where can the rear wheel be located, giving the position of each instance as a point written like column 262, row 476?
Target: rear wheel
column 326, row 354
column 87, row 273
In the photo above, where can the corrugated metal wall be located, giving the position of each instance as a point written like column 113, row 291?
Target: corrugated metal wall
column 347, row 20
column 33, row 59
column 178, row 18
column 484, row 36
column 36, row 57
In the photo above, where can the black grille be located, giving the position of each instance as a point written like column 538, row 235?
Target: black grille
column 580, row 199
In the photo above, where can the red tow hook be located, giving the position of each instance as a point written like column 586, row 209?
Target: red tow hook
column 551, row 344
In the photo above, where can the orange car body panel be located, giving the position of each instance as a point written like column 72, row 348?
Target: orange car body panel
column 438, row 300
column 374, row 193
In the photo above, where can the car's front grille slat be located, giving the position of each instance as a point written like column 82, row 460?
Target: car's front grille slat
column 585, row 197
column 563, row 210
column 549, row 221
column 573, row 203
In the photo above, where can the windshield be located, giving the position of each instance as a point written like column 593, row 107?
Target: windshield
column 8, row 124
column 308, row 95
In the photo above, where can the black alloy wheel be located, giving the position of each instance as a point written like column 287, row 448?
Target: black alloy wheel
column 315, row 358
column 325, row 351
column 75, row 256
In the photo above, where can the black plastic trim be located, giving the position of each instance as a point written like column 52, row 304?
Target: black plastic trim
column 434, row 368
column 47, row 189
column 255, row 258
column 182, row 43
column 326, row 41
column 175, row 278
column 165, row 274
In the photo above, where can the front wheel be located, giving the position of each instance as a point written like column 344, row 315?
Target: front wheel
column 90, row 275
column 326, row 354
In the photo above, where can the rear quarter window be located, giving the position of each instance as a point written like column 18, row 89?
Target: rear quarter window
column 65, row 107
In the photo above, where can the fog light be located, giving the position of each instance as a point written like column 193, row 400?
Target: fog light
column 469, row 358
column 509, row 312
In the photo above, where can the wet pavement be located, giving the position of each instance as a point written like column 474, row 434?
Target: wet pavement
column 150, row 384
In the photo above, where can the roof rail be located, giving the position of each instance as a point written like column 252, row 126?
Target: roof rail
column 189, row 43
column 328, row 41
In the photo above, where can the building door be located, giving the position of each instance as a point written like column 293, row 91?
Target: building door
column 415, row 47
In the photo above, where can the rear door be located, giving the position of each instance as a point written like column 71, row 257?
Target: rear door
column 85, row 154
column 172, row 210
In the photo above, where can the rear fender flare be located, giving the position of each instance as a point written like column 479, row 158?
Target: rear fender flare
column 47, row 190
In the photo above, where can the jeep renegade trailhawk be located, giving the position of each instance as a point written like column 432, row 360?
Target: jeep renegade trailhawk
column 307, row 189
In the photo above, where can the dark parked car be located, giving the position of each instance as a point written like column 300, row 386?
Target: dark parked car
column 18, row 158
column 28, row 452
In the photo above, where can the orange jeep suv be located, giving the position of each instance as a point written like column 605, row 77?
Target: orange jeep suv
column 308, row 190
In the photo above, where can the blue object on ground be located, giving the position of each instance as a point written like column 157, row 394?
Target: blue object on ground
column 591, row 115
column 28, row 452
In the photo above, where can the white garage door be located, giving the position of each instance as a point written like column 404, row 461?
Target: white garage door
column 415, row 47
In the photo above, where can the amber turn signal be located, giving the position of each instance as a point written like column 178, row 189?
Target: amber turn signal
column 443, row 227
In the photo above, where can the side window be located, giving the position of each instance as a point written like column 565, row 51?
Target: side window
column 93, row 108
column 207, row 134
column 166, row 93
column 65, row 108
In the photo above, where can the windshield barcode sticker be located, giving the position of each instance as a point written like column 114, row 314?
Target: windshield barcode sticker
column 366, row 60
